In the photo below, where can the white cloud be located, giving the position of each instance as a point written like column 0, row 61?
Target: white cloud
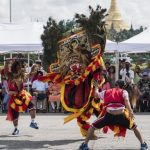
column 135, row 11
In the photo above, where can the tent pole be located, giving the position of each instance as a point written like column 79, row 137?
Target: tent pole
column 28, row 71
column 11, row 55
column 117, row 65
column 28, row 62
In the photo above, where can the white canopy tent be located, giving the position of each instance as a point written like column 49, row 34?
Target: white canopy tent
column 137, row 44
column 26, row 38
column 21, row 37
column 111, row 46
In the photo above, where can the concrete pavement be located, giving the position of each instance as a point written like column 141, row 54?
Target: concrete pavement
column 54, row 135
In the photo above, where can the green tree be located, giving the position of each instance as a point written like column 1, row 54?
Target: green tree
column 53, row 32
column 115, row 36
column 49, row 41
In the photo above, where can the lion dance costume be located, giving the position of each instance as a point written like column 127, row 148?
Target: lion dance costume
column 79, row 63
column 76, row 68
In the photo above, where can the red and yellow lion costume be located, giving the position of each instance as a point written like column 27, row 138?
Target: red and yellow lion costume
column 78, row 64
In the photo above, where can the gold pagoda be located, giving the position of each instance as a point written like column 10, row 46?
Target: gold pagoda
column 114, row 18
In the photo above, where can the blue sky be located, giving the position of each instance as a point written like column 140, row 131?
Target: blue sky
column 136, row 12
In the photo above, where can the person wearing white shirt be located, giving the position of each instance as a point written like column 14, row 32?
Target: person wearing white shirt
column 40, row 92
column 127, row 75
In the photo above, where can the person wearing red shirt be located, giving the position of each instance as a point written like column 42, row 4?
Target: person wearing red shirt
column 116, row 112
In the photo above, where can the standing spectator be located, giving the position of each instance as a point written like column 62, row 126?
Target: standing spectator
column 144, row 88
column 33, row 73
column 107, row 65
column 5, row 94
column 6, row 71
column 121, row 66
column 40, row 93
column 127, row 75
column 111, row 76
column 28, row 68
column 5, row 75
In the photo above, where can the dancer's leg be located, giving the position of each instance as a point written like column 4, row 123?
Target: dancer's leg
column 32, row 112
column 138, row 135
column 15, row 115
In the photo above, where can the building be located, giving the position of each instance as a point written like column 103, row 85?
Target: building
column 114, row 19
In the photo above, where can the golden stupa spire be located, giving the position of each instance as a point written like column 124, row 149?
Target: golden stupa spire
column 114, row 18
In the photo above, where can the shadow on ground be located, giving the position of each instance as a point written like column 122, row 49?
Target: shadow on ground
column 25, row 144
column 6, row 136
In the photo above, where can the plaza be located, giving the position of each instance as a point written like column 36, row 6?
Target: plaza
column 55, row 135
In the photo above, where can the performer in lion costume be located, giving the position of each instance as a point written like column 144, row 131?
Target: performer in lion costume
column 80, row 63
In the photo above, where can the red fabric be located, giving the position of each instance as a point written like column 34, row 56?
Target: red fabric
column 77, row 95
column 113, row 96
column 105, row 129
column 13, row 87
column 51, row 77
column 9, row 112
column 85, row 125
column 122, row 131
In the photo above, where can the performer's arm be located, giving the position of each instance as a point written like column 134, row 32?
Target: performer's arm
column 127, row 103
column 96, row 93
column 99, row 94
column 128, row 106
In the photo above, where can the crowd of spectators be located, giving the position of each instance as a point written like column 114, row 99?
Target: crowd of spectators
column 136, row 76
column 46, row 96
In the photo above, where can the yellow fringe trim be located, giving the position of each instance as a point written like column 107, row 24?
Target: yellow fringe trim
column 18, row 102
column 13, row 105
column 20, row 109
column 77, row 112
column 83, row 131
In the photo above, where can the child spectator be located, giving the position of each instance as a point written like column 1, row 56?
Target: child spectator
column 54, row 96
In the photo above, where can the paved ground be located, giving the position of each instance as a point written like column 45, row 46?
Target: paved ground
column 54, row 135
